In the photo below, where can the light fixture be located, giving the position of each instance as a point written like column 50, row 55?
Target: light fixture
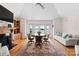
column 40, row 4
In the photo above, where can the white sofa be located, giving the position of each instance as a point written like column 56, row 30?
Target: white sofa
column 77, row 50
column 66, row 41
column 4, row 51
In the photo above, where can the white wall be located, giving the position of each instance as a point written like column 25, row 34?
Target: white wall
column 57, row 24
column 70, row 14
column 67, row 9
column 23, row 27
column 71, row 25
column 67, row 25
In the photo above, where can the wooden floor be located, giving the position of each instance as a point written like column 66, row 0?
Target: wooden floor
column 19, row 44
column 68, row 50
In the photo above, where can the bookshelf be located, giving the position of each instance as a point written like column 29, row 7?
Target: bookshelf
column 17, row 33
column 16, row 26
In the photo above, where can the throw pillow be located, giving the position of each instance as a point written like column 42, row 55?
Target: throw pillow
column 70, row 36
column 65, row 36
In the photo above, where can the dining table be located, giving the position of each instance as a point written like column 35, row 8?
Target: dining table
column 38, row 35
column 38, row 39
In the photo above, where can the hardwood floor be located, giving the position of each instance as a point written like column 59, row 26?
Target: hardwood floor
column 19, row 44
column 68, row 50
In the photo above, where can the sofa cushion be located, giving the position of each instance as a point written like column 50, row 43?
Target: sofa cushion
column 58, row 33
column 66, row 36
column 70, row 36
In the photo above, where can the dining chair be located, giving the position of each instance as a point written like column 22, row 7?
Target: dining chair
column 38, row 42
column 45, row 39
column 30, row 38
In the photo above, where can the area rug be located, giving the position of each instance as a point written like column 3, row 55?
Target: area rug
column 46, row 50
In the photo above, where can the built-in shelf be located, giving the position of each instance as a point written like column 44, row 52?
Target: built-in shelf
column 16, row 26
column 16, row 29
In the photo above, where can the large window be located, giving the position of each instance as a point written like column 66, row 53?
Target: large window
column 47, row 29
column 31, row 26
column 43, row 28
column 36, row 27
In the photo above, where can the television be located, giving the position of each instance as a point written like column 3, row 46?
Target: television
column 5, row 14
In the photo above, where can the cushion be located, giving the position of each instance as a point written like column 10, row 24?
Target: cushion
column 60, row 34
column 66, row 36
column 63, row 34
column 70, row 36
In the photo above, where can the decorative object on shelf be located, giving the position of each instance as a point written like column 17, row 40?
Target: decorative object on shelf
column 9, row 25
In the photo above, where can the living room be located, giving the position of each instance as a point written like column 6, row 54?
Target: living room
column 57, row 22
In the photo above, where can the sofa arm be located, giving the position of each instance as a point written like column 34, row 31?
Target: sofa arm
column 77, row 50
column 0, row 45
column 4, row 51
column 71, row 42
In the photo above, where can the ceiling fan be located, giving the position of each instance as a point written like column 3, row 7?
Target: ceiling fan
column 41, row 5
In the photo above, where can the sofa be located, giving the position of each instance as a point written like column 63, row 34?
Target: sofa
column 4, row 51
column 66, row 39
column 77, row 50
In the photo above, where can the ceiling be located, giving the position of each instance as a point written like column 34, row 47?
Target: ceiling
column 51, row 10
column 67, row 9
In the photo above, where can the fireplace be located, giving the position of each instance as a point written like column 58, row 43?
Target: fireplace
column 5, row 40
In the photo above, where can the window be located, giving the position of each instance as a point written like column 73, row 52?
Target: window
column 30, row 26
column 42, row 28
column 47, row 27
column 36, row 31
column 36, row 27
